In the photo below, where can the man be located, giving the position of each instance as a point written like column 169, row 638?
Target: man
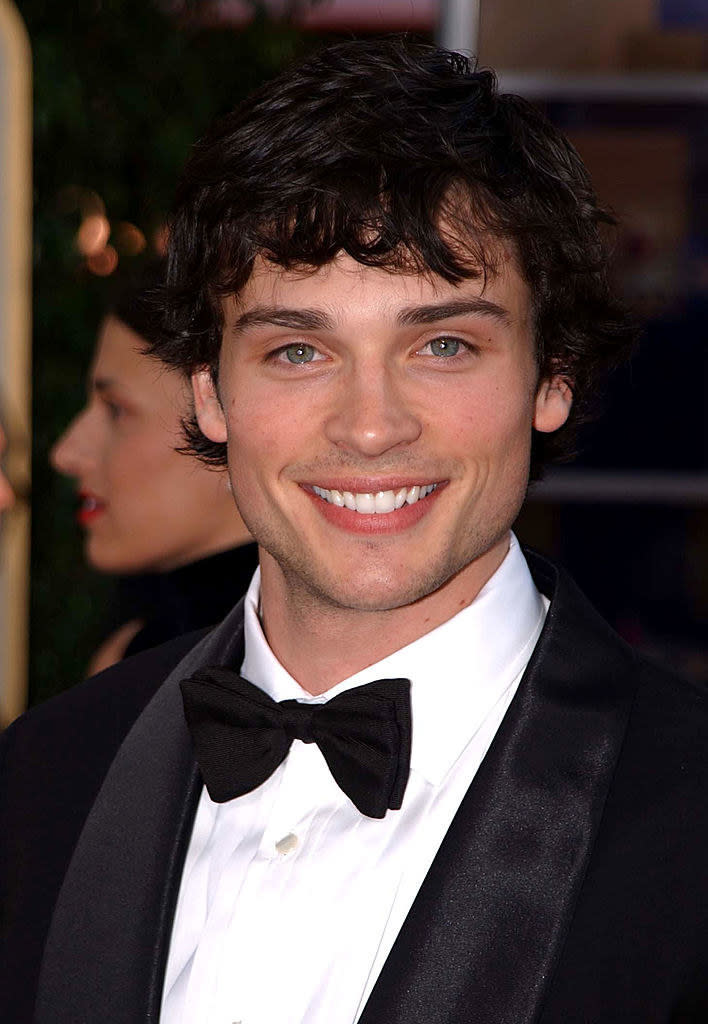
column 388, row 285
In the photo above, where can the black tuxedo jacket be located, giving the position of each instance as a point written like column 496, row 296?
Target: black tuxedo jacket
column 571, row 887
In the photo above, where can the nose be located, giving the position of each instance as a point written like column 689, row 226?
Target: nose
column 74, row 452
column 372, row 415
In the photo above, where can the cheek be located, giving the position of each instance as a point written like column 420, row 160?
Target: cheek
column 498, row 421
column 262, row 433
column 248, row 444
column 139, row 468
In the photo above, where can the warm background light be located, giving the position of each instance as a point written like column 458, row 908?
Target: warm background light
column 130, row 238
column 93, row 235
column 104, row 262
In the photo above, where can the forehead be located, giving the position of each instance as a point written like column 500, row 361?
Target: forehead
column 347, row 290
column 121, row 361
column 119, row 350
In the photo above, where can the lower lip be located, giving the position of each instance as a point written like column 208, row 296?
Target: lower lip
column 87, row 516
column 386, row 522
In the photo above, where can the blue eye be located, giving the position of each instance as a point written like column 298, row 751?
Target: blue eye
column 299, row 353
column 445, row 347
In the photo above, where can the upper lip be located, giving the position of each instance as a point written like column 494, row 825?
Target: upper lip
column 85, row 495
column 369, row 485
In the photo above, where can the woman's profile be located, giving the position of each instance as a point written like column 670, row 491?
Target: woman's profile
column 161, row 521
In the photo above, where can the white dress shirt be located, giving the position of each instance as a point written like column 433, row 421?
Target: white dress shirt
column 290, row 898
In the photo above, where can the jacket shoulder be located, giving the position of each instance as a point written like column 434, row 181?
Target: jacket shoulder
column 54, row 758
column 668, row 735
column 90, row 720
column 587, row 633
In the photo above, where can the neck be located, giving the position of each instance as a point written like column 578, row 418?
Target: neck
column 223, row 537
column 342, row 641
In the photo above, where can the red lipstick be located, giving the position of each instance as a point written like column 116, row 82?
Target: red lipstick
column 90, row 508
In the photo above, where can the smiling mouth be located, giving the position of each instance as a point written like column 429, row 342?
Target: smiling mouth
column 369, row 503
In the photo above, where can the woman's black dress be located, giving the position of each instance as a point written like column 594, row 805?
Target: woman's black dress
column 188, row 598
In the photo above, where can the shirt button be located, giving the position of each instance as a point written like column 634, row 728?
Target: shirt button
column 287, row 844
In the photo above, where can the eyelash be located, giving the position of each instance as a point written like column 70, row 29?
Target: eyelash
column 466, row 348
column 278, row 355
column 115, row 411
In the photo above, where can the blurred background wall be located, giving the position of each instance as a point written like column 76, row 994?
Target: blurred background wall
column 123, row 87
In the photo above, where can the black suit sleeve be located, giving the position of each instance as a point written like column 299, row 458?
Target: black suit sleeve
column 53, row 761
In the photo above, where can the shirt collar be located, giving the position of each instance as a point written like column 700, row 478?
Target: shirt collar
column 458, row 671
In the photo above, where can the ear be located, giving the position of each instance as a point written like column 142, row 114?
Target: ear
column 210, row 415
column 553, row 401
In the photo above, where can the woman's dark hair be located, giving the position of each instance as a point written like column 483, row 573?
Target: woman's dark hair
column 136, row 301
column 405, row 157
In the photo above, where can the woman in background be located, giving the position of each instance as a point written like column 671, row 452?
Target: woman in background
column 162, row 521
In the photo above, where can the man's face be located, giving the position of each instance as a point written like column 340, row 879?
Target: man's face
column 354, row 386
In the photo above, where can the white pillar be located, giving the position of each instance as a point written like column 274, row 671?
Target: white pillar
column 458, row 25
column 15, row 343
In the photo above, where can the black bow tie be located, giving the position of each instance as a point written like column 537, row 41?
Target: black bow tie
column 241, row 735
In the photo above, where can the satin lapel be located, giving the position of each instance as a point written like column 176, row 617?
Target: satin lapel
column 107, row 944
column 483, row 936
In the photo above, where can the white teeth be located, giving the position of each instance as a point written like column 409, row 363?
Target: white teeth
column 385, row 501
column 380, row 503
column 365, row 503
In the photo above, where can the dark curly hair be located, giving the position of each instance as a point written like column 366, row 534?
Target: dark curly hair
column 405, row 157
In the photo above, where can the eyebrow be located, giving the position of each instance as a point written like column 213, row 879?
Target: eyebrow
column 457, row 307
column 280, row 316
column 318, row 320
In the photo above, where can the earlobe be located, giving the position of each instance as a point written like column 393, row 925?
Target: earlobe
column 554, row 399
column 210, row 415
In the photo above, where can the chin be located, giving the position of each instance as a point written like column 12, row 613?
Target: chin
column 113, row 566
column 378, row 592
column 119, row 563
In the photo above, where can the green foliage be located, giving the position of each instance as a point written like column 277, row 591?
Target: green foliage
column 122, row 88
